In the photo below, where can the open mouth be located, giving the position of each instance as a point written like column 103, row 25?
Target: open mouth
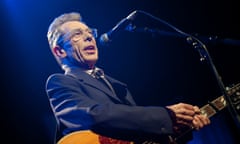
column 90, row 49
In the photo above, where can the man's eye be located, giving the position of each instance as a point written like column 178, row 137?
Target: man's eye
column 90, row 31
column 78, row 33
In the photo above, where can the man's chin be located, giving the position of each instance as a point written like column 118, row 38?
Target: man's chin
column 91, row 62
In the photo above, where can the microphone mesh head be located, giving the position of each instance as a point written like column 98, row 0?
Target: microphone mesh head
column 104, row 38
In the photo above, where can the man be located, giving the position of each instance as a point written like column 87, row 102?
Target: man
column 81, row 101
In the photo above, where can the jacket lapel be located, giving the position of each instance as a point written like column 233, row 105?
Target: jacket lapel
column 89, row 80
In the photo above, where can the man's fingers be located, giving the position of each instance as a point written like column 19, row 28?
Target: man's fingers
column 199, row 121
column 184, row 117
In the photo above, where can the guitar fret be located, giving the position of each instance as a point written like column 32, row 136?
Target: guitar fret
column 219, row 103
column 207, row 110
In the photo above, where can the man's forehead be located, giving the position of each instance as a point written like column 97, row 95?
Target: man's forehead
column 72, row 25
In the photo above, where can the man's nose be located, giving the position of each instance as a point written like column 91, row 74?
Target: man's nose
column 88, row 37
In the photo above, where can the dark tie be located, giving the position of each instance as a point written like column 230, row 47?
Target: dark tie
column 99, row 74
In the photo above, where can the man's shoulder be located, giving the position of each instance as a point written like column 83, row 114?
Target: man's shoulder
column 58, row 77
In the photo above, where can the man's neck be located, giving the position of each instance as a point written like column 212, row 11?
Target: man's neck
column 81, row 66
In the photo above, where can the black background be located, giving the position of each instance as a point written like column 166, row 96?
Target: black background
column 158, row 69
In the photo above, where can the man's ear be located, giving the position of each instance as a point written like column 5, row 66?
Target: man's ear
column 60, row 52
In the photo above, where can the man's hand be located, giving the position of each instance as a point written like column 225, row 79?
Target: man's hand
column 188, row 115
column 199, row 120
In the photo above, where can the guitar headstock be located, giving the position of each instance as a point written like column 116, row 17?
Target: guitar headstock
column 233, row 89
column 233, row 94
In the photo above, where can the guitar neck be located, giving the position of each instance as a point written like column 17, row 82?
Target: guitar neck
column 219, row 103
column 213, row 107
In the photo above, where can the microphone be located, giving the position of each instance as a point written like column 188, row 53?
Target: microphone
column 124, row 24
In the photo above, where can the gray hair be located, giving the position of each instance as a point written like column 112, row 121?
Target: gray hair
column 54, row 31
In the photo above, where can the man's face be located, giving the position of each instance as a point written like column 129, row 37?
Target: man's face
column 80, row 43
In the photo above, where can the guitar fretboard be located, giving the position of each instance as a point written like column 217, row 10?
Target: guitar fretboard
column 219, row 103
column 214, row 106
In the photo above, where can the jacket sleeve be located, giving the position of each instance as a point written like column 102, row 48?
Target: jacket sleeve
column 78, row 106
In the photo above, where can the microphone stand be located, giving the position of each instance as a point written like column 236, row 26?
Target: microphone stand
column 205, row 56
column 197, row 45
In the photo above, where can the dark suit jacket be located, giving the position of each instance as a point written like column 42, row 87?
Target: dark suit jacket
column 82, row 102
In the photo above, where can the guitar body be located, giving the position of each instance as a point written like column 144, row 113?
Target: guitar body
column 80, row 137
column 210, row 109
column 89, row 137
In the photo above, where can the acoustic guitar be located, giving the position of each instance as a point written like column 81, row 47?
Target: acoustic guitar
column 210, row 109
